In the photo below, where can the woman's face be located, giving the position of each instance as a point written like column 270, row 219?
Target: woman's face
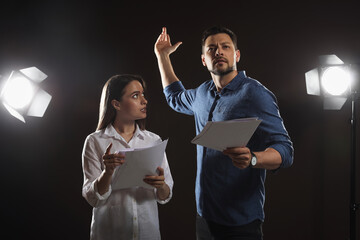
column 132, row 105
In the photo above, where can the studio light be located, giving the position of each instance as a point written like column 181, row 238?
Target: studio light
column 22, row 95
column 335, row 82
column 332, row 80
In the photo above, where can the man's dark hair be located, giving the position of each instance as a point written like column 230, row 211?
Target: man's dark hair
column 218, row 29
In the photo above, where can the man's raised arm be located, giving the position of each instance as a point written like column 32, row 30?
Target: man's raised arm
column 163, row 49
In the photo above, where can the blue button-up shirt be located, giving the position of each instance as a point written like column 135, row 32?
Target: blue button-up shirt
column 224, row 193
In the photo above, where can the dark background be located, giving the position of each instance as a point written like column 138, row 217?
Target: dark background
column 80, row 44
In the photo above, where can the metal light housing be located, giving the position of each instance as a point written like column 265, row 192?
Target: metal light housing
column 332, row 80
column 22, row 95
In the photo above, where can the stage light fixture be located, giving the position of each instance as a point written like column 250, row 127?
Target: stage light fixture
column 22, row 95
column 332, row 80
column 335, row 82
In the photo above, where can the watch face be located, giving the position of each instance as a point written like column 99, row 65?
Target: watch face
column 253, row 161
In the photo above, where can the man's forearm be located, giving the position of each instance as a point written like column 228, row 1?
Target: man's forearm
column 166, row 70
column 269, row 159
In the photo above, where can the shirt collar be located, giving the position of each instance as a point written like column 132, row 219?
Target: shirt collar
column 233, row 84
column 111, row 132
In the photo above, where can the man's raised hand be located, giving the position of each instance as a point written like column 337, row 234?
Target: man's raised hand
column 163, row 44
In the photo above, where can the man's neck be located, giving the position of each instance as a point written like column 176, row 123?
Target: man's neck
column 223, row 80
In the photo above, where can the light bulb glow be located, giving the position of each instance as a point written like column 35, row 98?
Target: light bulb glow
column 335, row 80
column 18, row 92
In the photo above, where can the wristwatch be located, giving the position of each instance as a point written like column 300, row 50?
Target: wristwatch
column 253, row 160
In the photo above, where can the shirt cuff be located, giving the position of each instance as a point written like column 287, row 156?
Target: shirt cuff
column 101, row 197
column 286, row 153
column 165, row 200
column 173, row 87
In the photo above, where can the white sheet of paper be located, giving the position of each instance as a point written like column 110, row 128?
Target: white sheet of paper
column 138, row 163
column 224, row 134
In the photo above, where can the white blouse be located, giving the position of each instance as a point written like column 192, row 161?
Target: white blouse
column 130, row 213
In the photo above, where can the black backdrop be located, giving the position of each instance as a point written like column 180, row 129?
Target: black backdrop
column 80, row 44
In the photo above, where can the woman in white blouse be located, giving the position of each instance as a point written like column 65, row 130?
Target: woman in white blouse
column 130, row 213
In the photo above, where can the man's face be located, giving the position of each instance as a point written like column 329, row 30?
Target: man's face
column 219, row 54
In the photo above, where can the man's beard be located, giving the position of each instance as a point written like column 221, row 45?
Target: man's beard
column 222, row 72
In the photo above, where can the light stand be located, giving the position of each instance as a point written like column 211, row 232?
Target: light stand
column 334, row 100
column 353, row 205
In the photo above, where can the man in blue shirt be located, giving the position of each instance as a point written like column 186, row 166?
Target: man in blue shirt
column 229, row 187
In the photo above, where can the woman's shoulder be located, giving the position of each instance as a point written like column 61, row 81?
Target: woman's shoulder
column 95, row 135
